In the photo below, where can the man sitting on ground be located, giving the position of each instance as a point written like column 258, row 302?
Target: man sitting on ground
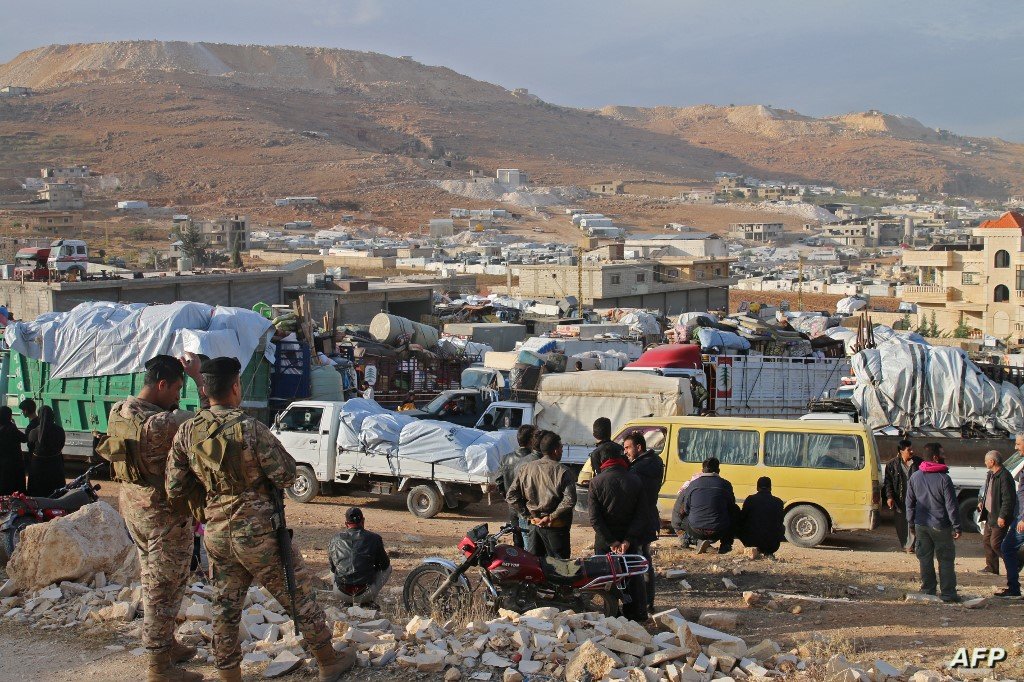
column 761, row 519
column 358, row 560
column 704, row 509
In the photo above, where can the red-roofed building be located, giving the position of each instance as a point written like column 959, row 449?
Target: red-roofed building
column 980, row 285
column 1011, row 219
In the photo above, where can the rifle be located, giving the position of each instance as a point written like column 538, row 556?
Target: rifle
column 284, row 546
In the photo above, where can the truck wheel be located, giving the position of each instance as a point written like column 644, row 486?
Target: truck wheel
column 806, row 526
column 305, row 487
column 970, row 517
column 425, row 501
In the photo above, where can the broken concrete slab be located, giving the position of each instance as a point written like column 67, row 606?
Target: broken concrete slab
column 922, row 598
column 665, row 655
column 718, row 619
column 623, row 647
column 284, row 663
column 588, row 663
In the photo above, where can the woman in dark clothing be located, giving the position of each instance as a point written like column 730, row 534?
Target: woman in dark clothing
column 12, row 466
column 46, row 468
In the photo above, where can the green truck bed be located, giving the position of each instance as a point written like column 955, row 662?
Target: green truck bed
column 82, row 404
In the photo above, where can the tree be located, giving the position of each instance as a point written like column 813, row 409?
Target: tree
column 933, row 328
column 236, row 252
column 961, row 331
column 903, row 323
column 137, row 234
column 193, row 246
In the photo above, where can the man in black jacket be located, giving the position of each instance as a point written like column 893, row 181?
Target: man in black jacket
column 605, row 446
column 358, row 560
column 704, row 509
column 620, row 522
column 996, row 506
column 649, row 468
column 761, row 519
column 894, row 490
column 507, row 473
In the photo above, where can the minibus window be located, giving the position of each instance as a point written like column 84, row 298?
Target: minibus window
column 729, row 446
column 813, row 450
column 653, row 435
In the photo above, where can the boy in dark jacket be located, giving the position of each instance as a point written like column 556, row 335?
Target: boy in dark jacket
column 510, row 466
column 358, row 559
column 649, row 468
column 620, row 524
column 761, row 519
column 704, row 509
column 606, row 447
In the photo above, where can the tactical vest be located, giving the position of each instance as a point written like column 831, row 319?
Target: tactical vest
column 218, row 449
column 122, row 448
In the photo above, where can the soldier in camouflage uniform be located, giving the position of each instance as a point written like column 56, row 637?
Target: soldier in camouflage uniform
column 242, row 467
column 140, row 431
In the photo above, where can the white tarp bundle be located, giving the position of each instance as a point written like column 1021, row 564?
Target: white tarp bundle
column 641, row 323
column 850, row 305
column 102, row 339
column 368, row 427
column 909, row 385
column 456, row 447
column 455, row 345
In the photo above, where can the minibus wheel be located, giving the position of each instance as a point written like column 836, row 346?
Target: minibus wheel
column 806, row 526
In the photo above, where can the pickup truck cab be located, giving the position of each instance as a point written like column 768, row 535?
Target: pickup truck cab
column 460, row 406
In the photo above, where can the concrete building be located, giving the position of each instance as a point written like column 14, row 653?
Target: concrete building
column 14, row 91
column 682, row 245
column 65, row 173
column 756, row 232
column 357, row 301
column 132, row 205
column 28, row 300
column 513, row 177
column 707, row 196
column 58, row 222
column 441, row 227
column 62, row 196
column 869, row 232
column 612, row 187
column 297, row 201
column 674, row 286
column 980, row 284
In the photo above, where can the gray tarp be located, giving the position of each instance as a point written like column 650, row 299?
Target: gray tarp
column 910, row 385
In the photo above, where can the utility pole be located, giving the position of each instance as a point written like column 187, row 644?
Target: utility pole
column 800, row 285
column 579, row 278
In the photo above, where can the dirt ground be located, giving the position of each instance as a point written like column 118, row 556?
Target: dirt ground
column 862, row 567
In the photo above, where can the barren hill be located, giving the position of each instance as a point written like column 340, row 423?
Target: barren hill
column 236, row 125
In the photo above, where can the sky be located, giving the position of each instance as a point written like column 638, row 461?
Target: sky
column 951, row 64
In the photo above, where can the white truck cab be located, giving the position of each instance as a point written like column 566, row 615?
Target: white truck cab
column 69, row 255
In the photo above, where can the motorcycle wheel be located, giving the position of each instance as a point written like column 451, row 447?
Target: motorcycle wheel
column 12, row 534
column 605, row 603
column 422, row 582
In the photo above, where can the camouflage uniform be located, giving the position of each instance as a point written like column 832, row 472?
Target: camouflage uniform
column 163, row 535
column 240, row 536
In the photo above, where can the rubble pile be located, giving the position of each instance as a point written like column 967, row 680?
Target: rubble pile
column 544, row 643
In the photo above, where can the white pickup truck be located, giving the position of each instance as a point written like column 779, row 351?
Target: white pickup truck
column 569, row 403
column 436, row 475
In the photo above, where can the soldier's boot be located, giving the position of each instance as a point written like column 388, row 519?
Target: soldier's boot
column 162, row 670
column 181, row 652
column 334, row 664
column 231, row 674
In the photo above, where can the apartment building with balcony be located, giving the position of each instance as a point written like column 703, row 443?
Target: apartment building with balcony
column 980, row 284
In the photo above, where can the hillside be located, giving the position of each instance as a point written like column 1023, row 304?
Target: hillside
column 237, row 125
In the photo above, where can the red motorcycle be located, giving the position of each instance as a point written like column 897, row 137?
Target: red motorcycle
column 517, row 580
column 19, row 510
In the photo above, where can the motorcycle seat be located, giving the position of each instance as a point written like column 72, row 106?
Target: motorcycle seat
column 561, row 571
column 73, row 501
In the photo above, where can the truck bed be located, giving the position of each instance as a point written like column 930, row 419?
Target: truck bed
column 355, row 463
